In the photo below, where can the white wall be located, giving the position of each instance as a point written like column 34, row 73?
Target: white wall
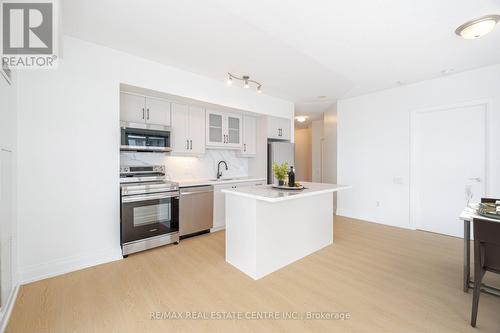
column 317, row 150
column 330, row 145
column 68, row 141
column 8, row 106
column 374, row 141
column 8, row 218
column 329, row 169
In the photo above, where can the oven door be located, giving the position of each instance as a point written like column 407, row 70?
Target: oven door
column 148, row 215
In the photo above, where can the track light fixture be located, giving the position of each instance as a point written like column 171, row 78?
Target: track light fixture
column 246, row 81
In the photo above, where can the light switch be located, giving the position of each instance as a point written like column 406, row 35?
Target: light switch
column 398, row 180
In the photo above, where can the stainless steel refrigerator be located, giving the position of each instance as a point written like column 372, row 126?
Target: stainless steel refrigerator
column 279, row 152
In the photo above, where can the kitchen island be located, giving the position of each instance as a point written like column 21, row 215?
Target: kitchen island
column 267, row 228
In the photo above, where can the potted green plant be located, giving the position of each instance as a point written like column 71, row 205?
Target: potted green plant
column 280, row 172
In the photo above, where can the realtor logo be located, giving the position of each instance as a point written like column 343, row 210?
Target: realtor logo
column 28, row 34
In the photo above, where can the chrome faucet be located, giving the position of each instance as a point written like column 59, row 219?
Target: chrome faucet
column 219, row 173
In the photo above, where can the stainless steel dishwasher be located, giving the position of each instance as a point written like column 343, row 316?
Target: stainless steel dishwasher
column 196, row 210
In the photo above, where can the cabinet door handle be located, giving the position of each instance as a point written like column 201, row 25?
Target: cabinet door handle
column 148, row 113
column 187, row 144
column 143, row 113
column 244, row 147
column 191, row 143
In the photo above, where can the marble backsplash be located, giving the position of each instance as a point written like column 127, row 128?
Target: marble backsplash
column 184, row 167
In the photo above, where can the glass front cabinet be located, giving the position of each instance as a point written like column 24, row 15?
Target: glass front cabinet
column 224, row 130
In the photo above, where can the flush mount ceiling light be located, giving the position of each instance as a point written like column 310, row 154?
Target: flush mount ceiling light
column 477, row 28
column 301, row 119
column 246, row 81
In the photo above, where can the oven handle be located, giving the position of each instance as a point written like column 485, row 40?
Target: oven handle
column 145, row 197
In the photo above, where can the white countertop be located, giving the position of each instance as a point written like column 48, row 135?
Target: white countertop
column 270, row 194
column 201, row 182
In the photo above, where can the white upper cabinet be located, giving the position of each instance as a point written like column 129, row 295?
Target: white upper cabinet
column 249, row 136
column 196, row 130
column 157, row 111
column 188, row 129
column 278, row 128
column 215, row 129
column 132, row 108
column 223, row 130
column 146, row 110
column 180, row 128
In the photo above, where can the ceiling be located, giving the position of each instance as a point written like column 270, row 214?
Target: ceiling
column 297, row 49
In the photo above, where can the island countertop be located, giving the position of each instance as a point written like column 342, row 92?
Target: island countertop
column 270, row 194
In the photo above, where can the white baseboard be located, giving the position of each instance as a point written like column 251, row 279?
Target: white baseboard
column 355, row 216
column 66, row 265
column 218, row 229
column 5, row 315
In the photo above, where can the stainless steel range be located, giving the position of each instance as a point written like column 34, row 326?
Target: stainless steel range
column 149, row 208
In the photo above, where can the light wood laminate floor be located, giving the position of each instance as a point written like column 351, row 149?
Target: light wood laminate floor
column 388, row 280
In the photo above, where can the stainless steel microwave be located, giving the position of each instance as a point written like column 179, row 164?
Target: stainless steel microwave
column 145, row 138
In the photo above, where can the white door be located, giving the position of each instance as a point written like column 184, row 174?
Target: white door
column 448, row 158
column 157, row 111
column 196, row 130
column 6, row 228
column 132, row 108
column 180, row 128
column 233, row 131
column 249, row 136
column 215, row 129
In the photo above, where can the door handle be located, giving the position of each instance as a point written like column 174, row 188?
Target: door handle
column 143, row 113
column 187, row 144
column 476, row 179
column 244, row 147
column 191, row 144
column 148, row 113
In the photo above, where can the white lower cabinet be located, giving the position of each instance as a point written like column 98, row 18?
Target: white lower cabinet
column 220, row 201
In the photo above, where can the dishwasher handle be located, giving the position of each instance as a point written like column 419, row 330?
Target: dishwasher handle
column 197, row 190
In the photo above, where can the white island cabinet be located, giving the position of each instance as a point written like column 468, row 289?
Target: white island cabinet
column 267, row 229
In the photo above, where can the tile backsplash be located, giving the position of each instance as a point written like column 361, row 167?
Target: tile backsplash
column 184, row 167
